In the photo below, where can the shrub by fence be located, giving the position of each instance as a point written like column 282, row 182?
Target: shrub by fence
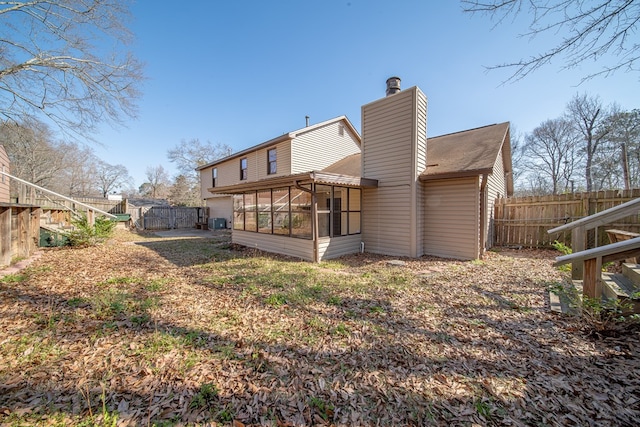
column 524, row 221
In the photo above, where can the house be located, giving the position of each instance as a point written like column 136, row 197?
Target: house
column 323, row 191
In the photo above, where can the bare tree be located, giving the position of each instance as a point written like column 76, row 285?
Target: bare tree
column 188, row 155
column 157, row 182
column 585, row 30
column 33, row 153
column 536, row 185
column 78, row 176
column 517, row 155
column 551, row 154
column 607, row 172
column 587, row 116
column 55, row 61
column 623, row 135
column 183, row 192
column 110, row 177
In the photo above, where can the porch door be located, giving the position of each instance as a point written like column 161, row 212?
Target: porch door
column 337, row 217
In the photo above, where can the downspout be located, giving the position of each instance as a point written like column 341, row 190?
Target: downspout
column 483, row 214
column 314, row 220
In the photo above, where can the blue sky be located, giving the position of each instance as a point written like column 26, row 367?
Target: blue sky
column 242, row 72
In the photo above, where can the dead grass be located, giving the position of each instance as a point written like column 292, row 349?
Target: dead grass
column 192, row 332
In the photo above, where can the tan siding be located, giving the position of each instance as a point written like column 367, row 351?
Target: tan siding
column 452, row 223
column 299, row 248
column 496, row 187
column 322, row 147
column 205, row 182
column 221, row 207
column 229, row 171
column 329, row 248
column 4, row 181
column 385, row 221
column 394, row 153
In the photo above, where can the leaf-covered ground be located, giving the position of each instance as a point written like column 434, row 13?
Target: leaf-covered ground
column 194, row 332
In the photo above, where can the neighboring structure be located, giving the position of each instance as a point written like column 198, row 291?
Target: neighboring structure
column 321, row 192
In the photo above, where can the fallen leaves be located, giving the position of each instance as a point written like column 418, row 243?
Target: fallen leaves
column 141, row 331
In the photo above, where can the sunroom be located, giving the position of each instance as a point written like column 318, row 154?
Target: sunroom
column 313, row 216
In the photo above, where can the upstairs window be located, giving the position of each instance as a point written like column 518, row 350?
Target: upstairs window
column 214, row 177
column 271, row 161
column 243, row 169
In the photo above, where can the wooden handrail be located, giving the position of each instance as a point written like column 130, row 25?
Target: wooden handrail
column 602, row 251
column 591, row 261
column 601, row 218
column 37, row 187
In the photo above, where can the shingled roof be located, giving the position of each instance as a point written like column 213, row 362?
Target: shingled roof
column 469, row 152
column 350, row 165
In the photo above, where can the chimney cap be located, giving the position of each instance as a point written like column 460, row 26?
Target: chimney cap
column 393, row 85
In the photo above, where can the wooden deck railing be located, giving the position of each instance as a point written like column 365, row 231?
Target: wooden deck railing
column 581, row 227
column 593, row 259
column 91, row 211
column 586, row 264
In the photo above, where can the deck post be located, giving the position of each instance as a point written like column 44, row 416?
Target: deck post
column 592, row 285
column 577, row 245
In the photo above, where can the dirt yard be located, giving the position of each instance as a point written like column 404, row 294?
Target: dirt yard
column 172, row 331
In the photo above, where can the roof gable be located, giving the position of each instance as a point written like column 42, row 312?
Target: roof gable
column 285, row 137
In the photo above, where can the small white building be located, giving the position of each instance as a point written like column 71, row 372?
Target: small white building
column 324, row 191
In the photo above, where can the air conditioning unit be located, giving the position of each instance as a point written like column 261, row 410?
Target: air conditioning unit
column 217, row 223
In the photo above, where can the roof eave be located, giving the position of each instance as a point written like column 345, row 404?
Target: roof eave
column 455, row 174
column 297, row 179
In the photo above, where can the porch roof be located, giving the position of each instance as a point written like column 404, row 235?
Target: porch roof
column 343, row 172
column 318, row 177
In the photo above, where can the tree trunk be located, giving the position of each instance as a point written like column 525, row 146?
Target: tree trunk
column 625, row 167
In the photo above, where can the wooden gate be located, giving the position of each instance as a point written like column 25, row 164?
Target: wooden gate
column 167, row 217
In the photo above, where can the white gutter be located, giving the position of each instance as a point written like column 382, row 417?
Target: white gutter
column 59, row 195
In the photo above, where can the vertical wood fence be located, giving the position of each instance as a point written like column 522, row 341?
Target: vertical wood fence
column 524, row 221
column 162, row 218
column 19, row 231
